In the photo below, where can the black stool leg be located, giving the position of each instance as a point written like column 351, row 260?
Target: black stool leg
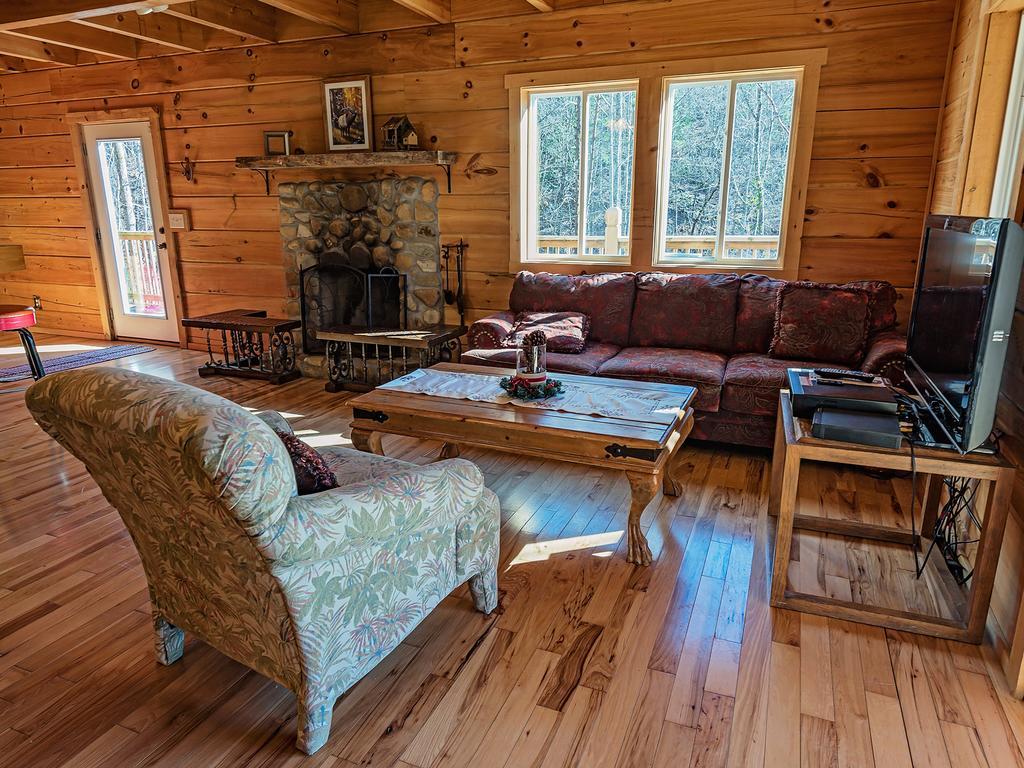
column 32, row 353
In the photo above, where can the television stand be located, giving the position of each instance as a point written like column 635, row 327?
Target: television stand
column 794, row 445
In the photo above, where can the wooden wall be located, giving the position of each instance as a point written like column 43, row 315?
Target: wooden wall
column 879, row 104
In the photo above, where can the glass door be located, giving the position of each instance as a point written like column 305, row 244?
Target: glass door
column 130, row 216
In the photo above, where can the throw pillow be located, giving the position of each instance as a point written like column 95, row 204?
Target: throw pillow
column 882, row 298
column 312, row 474
column 821, row 323
column 566, row 332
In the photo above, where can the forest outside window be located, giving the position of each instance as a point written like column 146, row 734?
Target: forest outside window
column 580, row 145
column 726, row 167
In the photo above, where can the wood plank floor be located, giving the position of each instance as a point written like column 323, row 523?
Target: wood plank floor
column 589, row 662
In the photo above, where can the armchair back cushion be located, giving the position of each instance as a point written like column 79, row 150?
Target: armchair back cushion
column 196, row 479
column 685, row 311
column 606, row 298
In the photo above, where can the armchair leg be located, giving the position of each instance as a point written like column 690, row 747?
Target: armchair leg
column 169, row 640
column 484, row 588
column 314, row 726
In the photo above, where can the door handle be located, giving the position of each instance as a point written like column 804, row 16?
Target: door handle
column 162, row 246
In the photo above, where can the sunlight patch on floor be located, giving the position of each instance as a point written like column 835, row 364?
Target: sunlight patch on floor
column 542, row 550
column 47, row 348
column 319, row 440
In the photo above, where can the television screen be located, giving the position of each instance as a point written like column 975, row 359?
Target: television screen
column 957, row 339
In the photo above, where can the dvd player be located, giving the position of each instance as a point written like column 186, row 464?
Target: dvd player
column 808, row 392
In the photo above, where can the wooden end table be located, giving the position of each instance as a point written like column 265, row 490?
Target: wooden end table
column 253, row 345
column 647, row 452
column 359, row 359
column 794, row 445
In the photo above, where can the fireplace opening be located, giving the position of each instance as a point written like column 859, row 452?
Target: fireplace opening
column 342, row 292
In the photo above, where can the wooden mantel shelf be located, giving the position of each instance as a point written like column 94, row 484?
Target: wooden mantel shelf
column 264, row 165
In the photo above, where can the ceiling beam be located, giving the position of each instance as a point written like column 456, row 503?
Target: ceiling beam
column 33, row 50
column 542, row 5
column 247, row 18
column 34, row 12
column 154, row 28
column 83, row 38
column 339, row 14
column 432, row 9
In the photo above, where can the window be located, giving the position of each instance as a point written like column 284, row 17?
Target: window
column 725, row 168
column 579, row 199
column 672, row 165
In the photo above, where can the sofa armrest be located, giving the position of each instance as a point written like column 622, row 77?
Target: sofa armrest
column 885, row 355
column 373, row 514
column 489, row 332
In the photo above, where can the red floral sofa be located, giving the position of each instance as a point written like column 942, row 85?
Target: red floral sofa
column 714, row 332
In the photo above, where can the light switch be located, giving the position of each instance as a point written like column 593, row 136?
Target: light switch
column 179, row 219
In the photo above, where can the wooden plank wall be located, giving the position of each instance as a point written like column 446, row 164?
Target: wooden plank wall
column 879, row 104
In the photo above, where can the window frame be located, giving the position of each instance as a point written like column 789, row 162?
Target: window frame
column 652, row 76
column 659, row 258
column 531, row 168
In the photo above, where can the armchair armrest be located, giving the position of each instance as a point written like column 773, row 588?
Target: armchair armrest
column 489, row 332
column 372, row 514
column 884, row 357
column 275, row 421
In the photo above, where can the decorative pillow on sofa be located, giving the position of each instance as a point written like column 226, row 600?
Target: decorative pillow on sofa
column 565, row 331
column 882, row 298
column 820, row 322
column 312, row 474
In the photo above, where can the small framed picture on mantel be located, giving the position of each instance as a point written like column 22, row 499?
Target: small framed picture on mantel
column 348, row 116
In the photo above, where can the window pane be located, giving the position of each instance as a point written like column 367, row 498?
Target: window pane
column 557, row 126
column 611, row 134
column 762, row 124
column 694, row 180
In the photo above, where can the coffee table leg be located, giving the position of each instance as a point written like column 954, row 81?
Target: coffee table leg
column 672, row 485
column 644, row 487
column 449, row 451
column 368, row 442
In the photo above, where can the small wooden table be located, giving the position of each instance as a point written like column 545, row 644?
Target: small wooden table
column 359, row 359
column 794, row 444
column 647, row 452
column 253, row 345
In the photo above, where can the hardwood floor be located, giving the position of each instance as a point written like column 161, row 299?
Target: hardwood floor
column 589, row 662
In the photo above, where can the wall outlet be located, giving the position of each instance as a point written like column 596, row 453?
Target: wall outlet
column 37, row 303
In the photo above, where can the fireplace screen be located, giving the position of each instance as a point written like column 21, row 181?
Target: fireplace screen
column 336, row 294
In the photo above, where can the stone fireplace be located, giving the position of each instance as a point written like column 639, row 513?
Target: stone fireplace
column 360, row 254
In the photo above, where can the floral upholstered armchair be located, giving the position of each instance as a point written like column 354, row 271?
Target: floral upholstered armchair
column 311, row 591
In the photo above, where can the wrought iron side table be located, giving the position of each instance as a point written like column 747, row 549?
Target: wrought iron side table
column 253, row 345
column 359, row 359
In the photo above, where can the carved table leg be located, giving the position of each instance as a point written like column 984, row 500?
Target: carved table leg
column 672, row 484
column 449, row 451
column 368, row 442
column 643, row 486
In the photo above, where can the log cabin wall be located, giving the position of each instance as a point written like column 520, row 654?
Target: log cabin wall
column 874, row 139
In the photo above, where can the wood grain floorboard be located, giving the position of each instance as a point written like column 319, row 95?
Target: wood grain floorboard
column 590, row 662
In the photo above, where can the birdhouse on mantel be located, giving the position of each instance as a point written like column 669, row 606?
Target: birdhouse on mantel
column 399, row 133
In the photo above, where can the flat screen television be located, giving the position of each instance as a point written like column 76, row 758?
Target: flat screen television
column 967, row 281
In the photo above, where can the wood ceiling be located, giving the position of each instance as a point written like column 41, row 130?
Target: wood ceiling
column 46, row 33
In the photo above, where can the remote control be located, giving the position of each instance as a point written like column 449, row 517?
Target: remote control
column 841, row 374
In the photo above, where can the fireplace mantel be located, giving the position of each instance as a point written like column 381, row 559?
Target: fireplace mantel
column 420, row 157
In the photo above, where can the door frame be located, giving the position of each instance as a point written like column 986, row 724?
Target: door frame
column 76, row 120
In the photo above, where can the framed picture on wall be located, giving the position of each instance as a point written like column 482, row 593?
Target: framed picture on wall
column 347, row 113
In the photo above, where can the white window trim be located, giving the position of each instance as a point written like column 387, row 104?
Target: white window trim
column 643, row 234
column 661, row 225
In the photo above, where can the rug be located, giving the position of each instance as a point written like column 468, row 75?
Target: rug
column 77, row 360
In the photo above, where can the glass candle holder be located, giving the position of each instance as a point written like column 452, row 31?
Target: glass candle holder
column 532, row 363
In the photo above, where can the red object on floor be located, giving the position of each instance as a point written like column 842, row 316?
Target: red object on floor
column 14, row 317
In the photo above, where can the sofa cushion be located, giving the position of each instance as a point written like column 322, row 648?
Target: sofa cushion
column 882, row 298
column 752, row 383
column 685, row 311
column 607, row 298
column 565, row 331
column 821, row 322
column 755, row 313
column 586, row 362
column 696, row 368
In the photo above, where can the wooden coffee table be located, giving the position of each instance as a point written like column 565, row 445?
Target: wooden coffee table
column 647, row 452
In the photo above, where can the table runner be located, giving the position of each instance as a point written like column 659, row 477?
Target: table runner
column 587, row 399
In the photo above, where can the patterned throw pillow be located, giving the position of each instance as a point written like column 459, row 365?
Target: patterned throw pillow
column 882, row 298
column 566, row 332
column 821, row 323
column 312, row 474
